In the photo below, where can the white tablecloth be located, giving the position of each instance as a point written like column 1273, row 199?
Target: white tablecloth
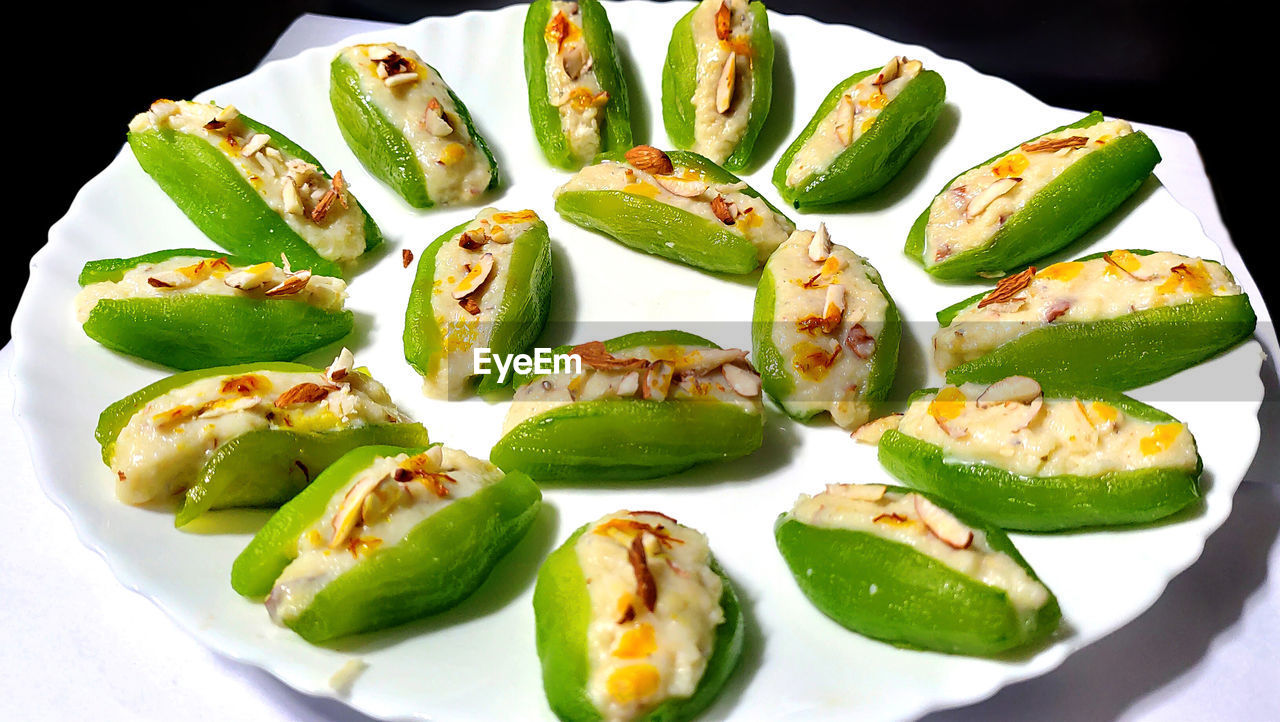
column 78, row 645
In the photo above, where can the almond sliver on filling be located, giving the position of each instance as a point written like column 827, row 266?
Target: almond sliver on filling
column 722, row 60
column 655, row 606
column 572, row 85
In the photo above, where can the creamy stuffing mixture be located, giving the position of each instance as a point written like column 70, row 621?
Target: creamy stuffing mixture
column 160, row 450
column 318, row 209
column 655, row 606
column 415, row 99
column 911, row 519
column 649, row 173
column 375, row 510
column 466, row 294
column 722, row 97
column 1012, row 426
column 1117, row 284
column 656, row 373
column 977, row 204
column 572, row 86
column 857, row 110
column 187, row 275
column 828, row 314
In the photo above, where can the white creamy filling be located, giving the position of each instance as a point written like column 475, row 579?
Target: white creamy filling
column 751, row 216
column 672, row 373
column 830, row 369
column 970, row 211
column 572, row 85
column 1079, row 292
column 181, row 276
column 326, row 218
column 715, row 132
column 160, row 450
column 894, row 517
column 639, row 656
column 859, row 106
column 375, row 510
column 1046, row 437
column 417, row 101
column 492, row 233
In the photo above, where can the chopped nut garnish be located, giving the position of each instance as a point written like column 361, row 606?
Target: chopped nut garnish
column 682, row 187
column 292, row 201
column 1051, row 144
column 744, row 382
column 724, row 210
column 475, row 278
column 594, row 355
column 340, row 187
column 845, row 112
column 943, row 524
column 860, row 342
column 434, row 120
column 1010, row 390
column 304, row 393
column 470, row 305
column 889, row 72
column 650, row 160
column 472, row 240
column 293, row 283
column 987, row 196
column 255, row 144
column 340, row 367
column 646, row 588
column 655, row 381
column 724, row 86
column 820, row 246
column 157, row 283
column 406, row 257
column 724, row 21
column 402, row 79
column 870, row 432
column 575, row 60
column 322, row 206
column 1008, row 287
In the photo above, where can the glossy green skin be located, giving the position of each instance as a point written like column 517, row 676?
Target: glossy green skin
column 917, row 602
column 615, row 130
column 654, row 227
column 1047, row 503
column 877, row 156
column 521, row 315
column 378, row 142
column 194, row 331
column 628, row 439
column 222, row 204
column 260, row 468
column 440, row 562
column 562, row 611
column 679, row 82
column 1119, row 353
column 776, row 373
column 1081, row 196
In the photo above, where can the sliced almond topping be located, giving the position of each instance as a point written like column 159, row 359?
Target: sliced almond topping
column 322, row 206
column 470, row 305
column 889, row 72
column 1052, row 144
column 380, row 52
column 349, row 512
column 224, row 116
column 1028, row 413
column 255, row 144
column 656, row 381
column 475, row 278
column 629, row 384
column 406, row 257
column 434, row 120
column 987, row 196
column 685, row 188
column 223, row 407
column 705, row 360
column 249, row 278
column 594, row 355
column 340, row 187
column 162, row 280
column 650, row 160
column 1014, row 389
column 861, row 343
column 724, row 22
column 724, row 210
column 293, row 283
column 820, row 246
column 833, row 308
column 744, row 382
column 304, row 393
column 575, row 60
column 341, row 366
column 724, row 86
column 473, row 240
column 292, row 201
column 943, row 524
column 845, row 112
column 860, row 492
column 173, row 416
column 870, row 432
column 646, row 588
column 396, row 81
column 1008, row 287
column 1056, row 309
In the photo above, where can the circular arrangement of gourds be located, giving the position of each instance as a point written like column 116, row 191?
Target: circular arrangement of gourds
column 635, row 620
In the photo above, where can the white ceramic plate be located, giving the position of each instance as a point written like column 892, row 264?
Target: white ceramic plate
column 478, row 660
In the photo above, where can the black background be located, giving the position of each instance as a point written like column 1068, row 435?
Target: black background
column 1196, row 67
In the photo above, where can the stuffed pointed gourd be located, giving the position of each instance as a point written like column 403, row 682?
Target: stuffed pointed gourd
column 188, row 308
column 864, row 132
column 484, row 283
column 1031, row 200
column 639, row 406
column 655, row 634
column 1044, row 458
column 577, row 90
column 250, row 189
column 676, row 205
column 1120, row 319
column 717, row 84
column 407, row 126
column 246, row 435
column 825, row 331
column 896, row 565
column 384, row 536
